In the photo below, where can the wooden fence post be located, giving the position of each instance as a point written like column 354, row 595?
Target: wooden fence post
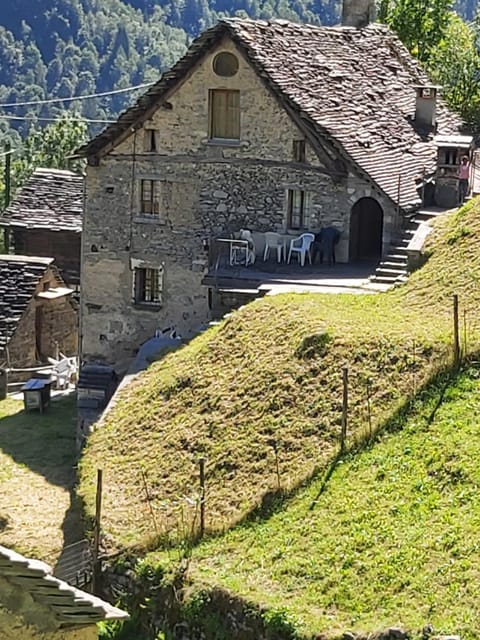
column 369, row 410
column 456, row 341
column 96, row 538
column 201, row 463
column 344, row 410
column 465, row 336
column 149, row 500
column 3, row 384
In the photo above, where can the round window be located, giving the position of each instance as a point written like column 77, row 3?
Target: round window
column 225, row 64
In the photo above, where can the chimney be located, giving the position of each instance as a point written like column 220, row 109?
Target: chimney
column 426, row 105
column 358, row 13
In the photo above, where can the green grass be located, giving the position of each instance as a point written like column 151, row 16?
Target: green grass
column 394, row 538
column 388, row 542
column 37, row 473
column 270, row 377
column 267, row 378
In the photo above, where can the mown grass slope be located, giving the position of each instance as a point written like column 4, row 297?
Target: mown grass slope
column 265, row 385
column 37, row 474
column 392, row 540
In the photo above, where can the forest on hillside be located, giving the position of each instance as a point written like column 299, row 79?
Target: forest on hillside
column 82, row 47
column 53, row 51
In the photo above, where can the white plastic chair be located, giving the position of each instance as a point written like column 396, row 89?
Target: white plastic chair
column 301, row 246
column 273, row 241
column 245, row 234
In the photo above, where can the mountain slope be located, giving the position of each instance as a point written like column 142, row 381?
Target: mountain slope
column 260, row 396
column 393, row 540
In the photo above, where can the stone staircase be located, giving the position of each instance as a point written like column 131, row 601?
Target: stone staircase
column 393, row 268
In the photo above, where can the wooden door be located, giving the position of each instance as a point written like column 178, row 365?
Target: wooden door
column 366, row 231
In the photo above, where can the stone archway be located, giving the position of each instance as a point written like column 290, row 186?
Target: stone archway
column 366, row 231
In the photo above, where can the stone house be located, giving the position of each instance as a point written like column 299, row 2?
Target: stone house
column 34, row 605
column 266, row 126
column 45, row 219
column 37, row 313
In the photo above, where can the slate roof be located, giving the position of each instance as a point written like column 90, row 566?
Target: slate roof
column 19, row 276
column 71, row 607
column 353, row 89
column 50, row 199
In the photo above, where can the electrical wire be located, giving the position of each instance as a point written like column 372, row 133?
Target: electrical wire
column 35, row 119
column 87, row 97
column 7, row 153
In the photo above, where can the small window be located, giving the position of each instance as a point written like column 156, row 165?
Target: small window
column 224, row 112
column 149, row 197
column 297, row 209
column 299, row 150
column 225, row 64
column 150, row 140
column 148, row 286
column 451, row 156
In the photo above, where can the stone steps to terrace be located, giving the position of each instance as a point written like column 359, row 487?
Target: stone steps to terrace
column 393, row 268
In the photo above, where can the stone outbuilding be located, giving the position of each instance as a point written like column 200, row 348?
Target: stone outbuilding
column 265, row 126
column 38, row 317
column 34, row 605
column 45, row 219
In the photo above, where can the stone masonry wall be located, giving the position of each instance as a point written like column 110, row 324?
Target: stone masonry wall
column 208, row 189
column 59, row 326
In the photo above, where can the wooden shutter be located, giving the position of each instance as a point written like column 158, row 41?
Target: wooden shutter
column 225, row 114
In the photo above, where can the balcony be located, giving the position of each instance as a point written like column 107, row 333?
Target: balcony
column 238, row 266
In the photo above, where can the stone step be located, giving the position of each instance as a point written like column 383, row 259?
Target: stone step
column 397, row 249
column 381, row 271
column 432, row 212
column 384, row 279
column 387, row 264
column 396, row 257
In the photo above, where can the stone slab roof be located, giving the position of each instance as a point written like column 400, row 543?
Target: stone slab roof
column 71, row 607
column 352, row 89
column 19, row 276
column 50, row 199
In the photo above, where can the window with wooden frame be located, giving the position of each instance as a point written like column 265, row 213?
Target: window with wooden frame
column 299, row 151
column 224, row 114
column 150, row 140
column 148, row 286
column 297, row 209
column 150, row 193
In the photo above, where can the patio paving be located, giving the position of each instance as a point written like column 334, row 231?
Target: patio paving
column 271, row 278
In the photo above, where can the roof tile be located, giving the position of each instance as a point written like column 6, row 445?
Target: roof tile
column 50, row 199
column 355, row 88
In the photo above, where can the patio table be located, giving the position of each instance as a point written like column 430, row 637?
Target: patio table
column 238, row 251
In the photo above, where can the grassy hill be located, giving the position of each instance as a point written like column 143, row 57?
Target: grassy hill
column 392, row 540
column 259, row 396
column 37, row 476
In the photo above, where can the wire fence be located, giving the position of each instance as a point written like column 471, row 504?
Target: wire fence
column 357, row 408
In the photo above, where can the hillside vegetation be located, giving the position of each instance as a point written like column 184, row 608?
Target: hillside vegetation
column 392, row 540
column 260, row 396
column 37, row 475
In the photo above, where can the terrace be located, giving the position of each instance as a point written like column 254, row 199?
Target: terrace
column 241, row 266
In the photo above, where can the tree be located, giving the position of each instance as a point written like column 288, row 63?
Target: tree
column 455, row 65
column 420, row 24
column 49, row 147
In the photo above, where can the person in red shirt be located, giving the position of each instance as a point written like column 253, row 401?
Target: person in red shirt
column 463, row 178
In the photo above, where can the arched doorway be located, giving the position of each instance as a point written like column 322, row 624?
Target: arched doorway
column 366, row 231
